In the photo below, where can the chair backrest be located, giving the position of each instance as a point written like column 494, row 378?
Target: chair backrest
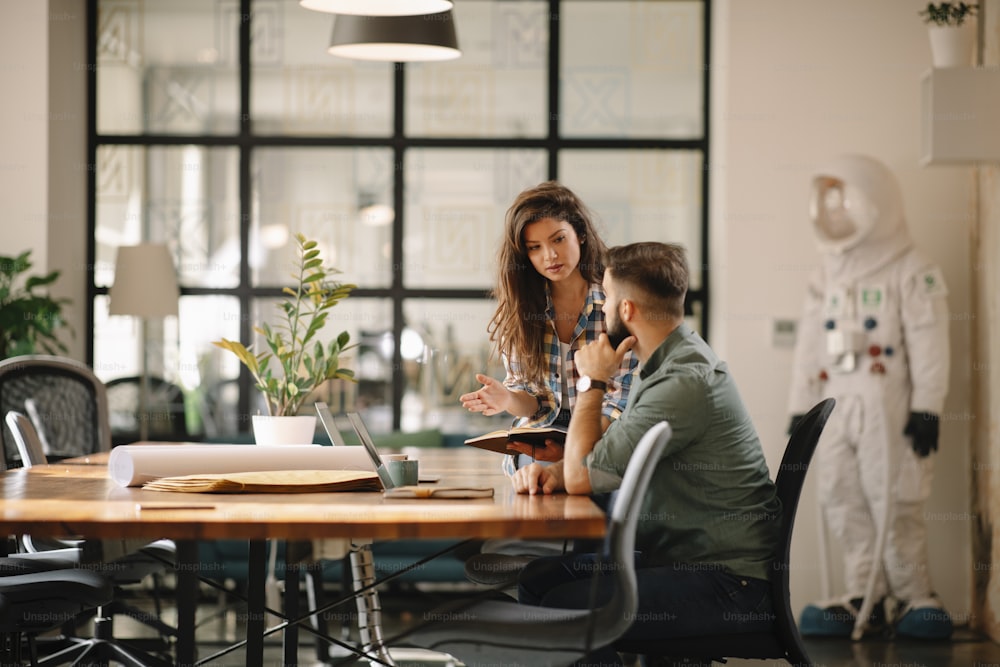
column 164, row 409
column 614, row 618
column 69, row 404
column 789, row 481
column 29, row 446
column 492, row 632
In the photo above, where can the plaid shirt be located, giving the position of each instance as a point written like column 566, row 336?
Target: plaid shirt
column 589, row 326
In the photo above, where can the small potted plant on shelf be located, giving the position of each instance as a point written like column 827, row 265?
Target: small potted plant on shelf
column 29, row 318
column 302, row 361
column 952, row 35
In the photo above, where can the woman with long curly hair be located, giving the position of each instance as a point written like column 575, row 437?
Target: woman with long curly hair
column 549, row 304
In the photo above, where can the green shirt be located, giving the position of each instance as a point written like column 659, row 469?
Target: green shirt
column 711, row 502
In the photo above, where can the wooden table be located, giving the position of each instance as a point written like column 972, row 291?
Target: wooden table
column 76, row 497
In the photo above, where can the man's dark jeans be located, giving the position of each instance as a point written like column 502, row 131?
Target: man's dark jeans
column 677, row 600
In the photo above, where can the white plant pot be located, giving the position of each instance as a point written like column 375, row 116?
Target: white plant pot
column 951, row 46
column 299, row 430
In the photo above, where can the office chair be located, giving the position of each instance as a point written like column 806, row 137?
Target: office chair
column 68, row 400
column 783, row 641
column 494, row 632
column 141, row 559
column 164, row 411
column 71, row 419
column 37, row 596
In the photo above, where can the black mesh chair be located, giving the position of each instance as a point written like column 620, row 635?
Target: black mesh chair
column 783, row 641
column 164, row 410
column 61, row 403
column 64, row 399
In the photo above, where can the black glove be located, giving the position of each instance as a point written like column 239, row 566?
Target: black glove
column 922, row 428
column 794, row 423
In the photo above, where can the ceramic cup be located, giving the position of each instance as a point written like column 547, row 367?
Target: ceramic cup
column 403, row 472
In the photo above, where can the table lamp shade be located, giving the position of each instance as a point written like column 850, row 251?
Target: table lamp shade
column 145, row 282
column 427, row 37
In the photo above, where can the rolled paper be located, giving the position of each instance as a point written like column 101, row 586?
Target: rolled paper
column 134, row 465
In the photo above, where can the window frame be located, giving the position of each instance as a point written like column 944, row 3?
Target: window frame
column 245, row 141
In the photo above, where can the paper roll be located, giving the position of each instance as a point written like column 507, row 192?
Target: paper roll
column 134, row 465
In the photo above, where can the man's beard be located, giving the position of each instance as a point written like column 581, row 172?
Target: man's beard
column 617, row 333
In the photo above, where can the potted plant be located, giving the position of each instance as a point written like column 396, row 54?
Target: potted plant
column 29, row 317
column 300, row 362
column 951, row 35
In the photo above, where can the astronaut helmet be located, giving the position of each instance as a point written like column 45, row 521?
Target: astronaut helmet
column 854, row 199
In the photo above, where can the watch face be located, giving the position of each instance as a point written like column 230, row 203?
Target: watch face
column 586, row 384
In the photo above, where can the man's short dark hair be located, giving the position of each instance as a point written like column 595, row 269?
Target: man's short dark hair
column 650, row 272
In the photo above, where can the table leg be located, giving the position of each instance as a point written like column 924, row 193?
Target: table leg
column 187, row 600
column 256, row 615
column 290, row 638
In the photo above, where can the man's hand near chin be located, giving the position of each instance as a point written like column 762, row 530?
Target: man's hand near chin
column 534, row 479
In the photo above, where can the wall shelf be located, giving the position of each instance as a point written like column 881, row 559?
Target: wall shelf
column 961, row 116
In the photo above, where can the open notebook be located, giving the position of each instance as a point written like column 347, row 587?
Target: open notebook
column 391, row 490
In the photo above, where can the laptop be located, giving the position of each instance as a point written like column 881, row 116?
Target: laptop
column 359, row 427
column 358, row 424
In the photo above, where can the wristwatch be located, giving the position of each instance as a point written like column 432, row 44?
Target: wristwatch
column 585, row 383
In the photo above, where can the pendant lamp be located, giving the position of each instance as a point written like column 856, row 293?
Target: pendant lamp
column 378, row 7
column 426, row 37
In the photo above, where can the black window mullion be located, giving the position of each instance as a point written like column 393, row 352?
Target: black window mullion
column 245, row 292
column 706, row 272
column 553, row 83
column 91, row 179
column 398, row 291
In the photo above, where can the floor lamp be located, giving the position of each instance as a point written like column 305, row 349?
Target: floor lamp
column 145, row 287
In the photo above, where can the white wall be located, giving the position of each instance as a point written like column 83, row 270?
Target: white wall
column 798, row 82
column 24, row 129
column 43, row 148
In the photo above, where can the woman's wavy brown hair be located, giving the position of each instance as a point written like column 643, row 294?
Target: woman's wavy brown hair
column 518, row 325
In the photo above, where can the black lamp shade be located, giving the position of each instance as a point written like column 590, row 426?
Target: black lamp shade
column 425, row 37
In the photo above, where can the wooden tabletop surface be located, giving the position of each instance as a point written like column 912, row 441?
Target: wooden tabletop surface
column 77, row 497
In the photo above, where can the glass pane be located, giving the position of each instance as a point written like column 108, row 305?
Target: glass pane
column 369, row 323
column 179, row 350
column 445, row 343
column 298, row 88
column 498, row 86
column 641, row 195
column 455, row 206
column 204, row 371
column 185, row 196
column 340, row 197
column 167, row 66
column 631, row 69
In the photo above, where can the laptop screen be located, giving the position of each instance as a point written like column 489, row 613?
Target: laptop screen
column 363, row 436
column 330, row 425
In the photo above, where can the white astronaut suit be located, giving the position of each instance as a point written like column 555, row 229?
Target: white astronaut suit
column 874, row 335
